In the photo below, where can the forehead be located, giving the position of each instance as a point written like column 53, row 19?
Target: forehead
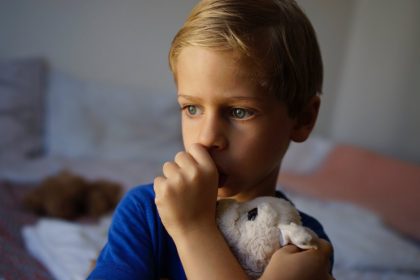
column 205, row 70
column 202, row 58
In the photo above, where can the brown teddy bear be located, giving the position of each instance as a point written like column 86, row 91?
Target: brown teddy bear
column 69, row 196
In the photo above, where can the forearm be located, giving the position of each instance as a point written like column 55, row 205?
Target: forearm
column 205, row 255
column 290, row 263
column 288, row 274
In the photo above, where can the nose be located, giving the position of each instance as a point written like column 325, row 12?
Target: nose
column 213, row 132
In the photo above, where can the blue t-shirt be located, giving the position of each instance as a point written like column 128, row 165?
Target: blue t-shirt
column 138, row 245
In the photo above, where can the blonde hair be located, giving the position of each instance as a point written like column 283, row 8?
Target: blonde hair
column 273, row 37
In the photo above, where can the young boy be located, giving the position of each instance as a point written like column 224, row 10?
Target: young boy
column 248, row 74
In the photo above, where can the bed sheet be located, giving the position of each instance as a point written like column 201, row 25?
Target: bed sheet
column 352, row 274
column 365, row 247
column 15, row 262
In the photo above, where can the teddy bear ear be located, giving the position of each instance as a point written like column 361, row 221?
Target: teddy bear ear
column 252, row 214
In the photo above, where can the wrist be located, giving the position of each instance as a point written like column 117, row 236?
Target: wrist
column 205, row 255
column 196, row 233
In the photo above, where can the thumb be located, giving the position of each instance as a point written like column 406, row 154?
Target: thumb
column 289, row 249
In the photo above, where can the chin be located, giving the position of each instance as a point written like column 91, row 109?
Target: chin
column 226, row 191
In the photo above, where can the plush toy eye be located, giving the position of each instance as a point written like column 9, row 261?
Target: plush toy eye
column 252, row 214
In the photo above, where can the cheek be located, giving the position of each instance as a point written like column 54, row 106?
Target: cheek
column 188, row 133
column 263, row 147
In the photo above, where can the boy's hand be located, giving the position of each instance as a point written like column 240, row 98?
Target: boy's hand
column 186, row 194
column 289, row 262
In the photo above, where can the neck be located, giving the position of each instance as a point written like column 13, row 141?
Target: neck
column 266, row 187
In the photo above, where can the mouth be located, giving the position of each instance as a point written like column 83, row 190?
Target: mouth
column 222, row 179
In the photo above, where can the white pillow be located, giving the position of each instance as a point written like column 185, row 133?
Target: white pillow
column 360, row 239
column 22, row 93
column 306, row 157
column 93, row 120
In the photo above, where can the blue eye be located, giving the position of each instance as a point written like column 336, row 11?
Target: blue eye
column 241, row 113
column 192, row 110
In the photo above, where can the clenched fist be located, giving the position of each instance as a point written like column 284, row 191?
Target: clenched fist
column 186, row 194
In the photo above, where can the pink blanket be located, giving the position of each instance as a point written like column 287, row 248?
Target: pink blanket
column 389, row 187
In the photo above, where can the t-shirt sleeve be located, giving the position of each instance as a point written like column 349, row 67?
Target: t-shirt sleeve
column 128, row 253
column 316, row 226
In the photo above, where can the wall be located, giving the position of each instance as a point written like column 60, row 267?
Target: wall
column 370, row 50
column 379, row 94
column 332, row 20
column 126, row 42
column 122, row 42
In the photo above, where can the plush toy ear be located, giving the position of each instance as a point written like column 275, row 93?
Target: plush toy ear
column 306, row 120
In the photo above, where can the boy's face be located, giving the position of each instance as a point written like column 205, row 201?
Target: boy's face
column 246, row 131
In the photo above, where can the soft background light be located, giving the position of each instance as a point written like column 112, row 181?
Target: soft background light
column 370, row 49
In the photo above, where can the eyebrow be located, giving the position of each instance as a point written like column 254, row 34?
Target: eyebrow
column 233, row 98
column 189, row 97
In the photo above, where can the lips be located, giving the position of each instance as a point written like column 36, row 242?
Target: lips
column 222, row 179
column 222, row 176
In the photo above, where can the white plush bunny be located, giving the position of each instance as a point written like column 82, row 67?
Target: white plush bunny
column 256, row 229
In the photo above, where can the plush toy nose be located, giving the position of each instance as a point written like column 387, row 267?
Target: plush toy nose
column 252, row 214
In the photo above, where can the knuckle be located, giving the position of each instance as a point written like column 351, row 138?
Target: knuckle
column 195, row 148
column 326, row 245
column 157, row 186
column 194, row 173
column 167, row 165
column 157, row 202
column 209, row 170
column 178, row 178
column 179, row 155
column 156, row 182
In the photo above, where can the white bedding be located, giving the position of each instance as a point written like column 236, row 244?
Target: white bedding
column 66, row 249
column 364, row 247
column 353, row 274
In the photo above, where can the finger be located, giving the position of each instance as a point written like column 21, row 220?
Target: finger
column 290, row 249
column 185, row 160
column 325, row 247
column 157, row 184
column 170, row 168
column 202, row 156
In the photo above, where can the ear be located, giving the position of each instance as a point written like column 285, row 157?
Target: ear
column 305, row 121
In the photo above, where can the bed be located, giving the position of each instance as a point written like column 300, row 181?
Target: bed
column 367, row 202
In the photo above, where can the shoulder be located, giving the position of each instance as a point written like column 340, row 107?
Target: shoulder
column 139, row 198
column 136, row 211
column 134, row 232
column 139, row 194
column 137, row 206
column 307, row 220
